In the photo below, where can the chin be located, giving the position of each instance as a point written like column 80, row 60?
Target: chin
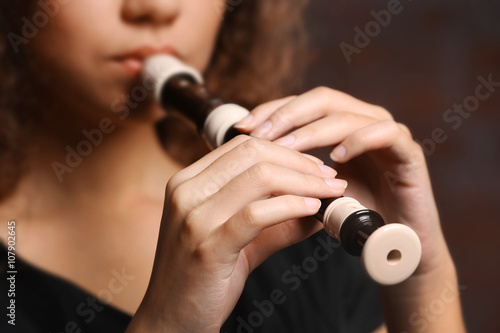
column 129, row 110
column 148, row 114
column 157, row 113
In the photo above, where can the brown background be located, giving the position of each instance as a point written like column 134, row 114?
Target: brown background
column 427, row 59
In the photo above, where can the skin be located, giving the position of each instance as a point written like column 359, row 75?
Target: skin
column 195, row 253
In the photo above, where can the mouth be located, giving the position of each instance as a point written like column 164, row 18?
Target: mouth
column 133, row 61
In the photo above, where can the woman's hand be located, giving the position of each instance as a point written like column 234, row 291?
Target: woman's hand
column 385, row 168
column 223, row 216
column 387, row 172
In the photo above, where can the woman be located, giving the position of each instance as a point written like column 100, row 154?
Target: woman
column 95, row 224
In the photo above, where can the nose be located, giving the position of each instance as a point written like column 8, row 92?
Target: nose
column 151, row 11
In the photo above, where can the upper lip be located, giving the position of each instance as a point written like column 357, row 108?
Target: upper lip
column 146, row 51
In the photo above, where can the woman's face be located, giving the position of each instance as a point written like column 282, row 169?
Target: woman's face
column 91, row 51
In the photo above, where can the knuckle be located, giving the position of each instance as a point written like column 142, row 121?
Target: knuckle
column 396, row 130
column 281, row 117
column 392, row 128
column 417, row 150
column 382, row 113
column 249, row 216
column 239, row 139
column 323, row 91
column 388, row 129
column 358, row 139
column 192, row 233
column 415, row 158
column 174, row 182
column 190, row 227
column 251, row 148
column 329, row 94
column 252, row 145
column 405, row 130
column 169, row 189
column 178, row 199
column 260, row 173
column 309, row 131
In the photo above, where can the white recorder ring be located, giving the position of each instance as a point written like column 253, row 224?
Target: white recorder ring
column 160, row 68
column 220, row 120
column 391, row 253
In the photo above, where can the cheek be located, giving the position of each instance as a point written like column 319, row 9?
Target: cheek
column 71, row 60
column 201, row 22
column 80, row 29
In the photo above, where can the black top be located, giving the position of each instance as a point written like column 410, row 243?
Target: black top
column 313, row 286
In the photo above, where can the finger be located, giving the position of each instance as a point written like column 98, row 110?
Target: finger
column 325, row 132
column 261, row 181
column 388, row 135
column 244, row 156
column 313, row 105
column 261, row 113
column 195, row 168
column 313, row 158
column 278, row 237
column 249, row 222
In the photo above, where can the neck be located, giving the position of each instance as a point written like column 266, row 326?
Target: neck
column 122, row 167
column 85, row 208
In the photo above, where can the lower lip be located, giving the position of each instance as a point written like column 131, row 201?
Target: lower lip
column 132, row 66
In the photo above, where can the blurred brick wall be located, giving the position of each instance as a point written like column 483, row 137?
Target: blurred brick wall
column 423, row 62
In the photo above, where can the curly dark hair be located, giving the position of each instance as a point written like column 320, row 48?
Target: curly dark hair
column 14, row 120
column 257, row 58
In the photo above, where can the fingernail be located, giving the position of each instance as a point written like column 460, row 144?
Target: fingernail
column 286, row 140
column 245, row 122
column 327, row 170
column 263, row 129
column 338, row 153
column 313, row 158
column 312, row 203
column 338, row 184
